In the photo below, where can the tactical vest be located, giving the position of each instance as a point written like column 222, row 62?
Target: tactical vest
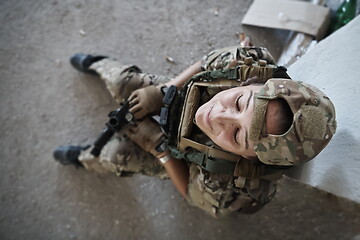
column 211, row 158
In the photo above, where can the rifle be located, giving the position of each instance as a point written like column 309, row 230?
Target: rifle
column 121, row 117
column 117, row 120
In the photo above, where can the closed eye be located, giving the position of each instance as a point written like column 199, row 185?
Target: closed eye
column 237, row 103
column 235, row 135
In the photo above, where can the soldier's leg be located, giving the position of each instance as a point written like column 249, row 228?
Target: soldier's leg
column 121, row 80
column 124, row 158
column 120, row 155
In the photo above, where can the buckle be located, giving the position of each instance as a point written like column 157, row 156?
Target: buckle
column 164, row 116
column 233, row 73
column 205, row 160
column 169, row 96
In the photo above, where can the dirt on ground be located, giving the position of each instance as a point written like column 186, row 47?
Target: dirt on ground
column 46, row 103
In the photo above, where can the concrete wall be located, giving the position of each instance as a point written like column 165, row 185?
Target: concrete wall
column 334, row 67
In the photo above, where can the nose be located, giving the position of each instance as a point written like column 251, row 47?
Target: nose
column 227, row 118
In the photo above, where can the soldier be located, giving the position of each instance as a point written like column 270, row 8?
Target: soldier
column 237, row 123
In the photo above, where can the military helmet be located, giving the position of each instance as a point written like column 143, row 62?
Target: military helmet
column 312, row 127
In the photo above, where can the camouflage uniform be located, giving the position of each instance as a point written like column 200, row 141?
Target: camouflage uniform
column 217, row 194
column 253, row 184
column 222, row 194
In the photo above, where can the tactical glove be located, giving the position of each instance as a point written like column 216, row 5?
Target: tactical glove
column 147, row 100
column 147, row 134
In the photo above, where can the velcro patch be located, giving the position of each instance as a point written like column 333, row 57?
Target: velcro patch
column 258, row 119
column 312, row 122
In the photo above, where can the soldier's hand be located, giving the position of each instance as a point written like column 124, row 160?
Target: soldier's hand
column 145, row 101
column 147, row 134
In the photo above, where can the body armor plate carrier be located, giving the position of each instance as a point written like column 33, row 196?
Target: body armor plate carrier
column 185, row 103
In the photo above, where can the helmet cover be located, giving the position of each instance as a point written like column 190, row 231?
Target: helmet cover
column 312, row 127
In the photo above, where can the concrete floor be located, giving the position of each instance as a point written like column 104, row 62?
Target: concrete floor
column 45, row 103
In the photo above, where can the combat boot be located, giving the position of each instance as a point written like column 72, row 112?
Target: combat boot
column 67, row 155
column 82, row 62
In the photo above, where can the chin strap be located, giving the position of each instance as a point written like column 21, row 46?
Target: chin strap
column 205, row 161
column 218, row 161
column 211, row 151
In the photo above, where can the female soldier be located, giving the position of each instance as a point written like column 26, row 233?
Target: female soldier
column 237, row 123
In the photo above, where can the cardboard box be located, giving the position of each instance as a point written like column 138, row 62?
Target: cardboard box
column 297, row 16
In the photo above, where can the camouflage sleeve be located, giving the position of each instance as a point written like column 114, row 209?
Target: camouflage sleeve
column 217, row 194
column 232, row 56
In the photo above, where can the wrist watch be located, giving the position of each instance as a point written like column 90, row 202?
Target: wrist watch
column 162, row 147
column 165, row 158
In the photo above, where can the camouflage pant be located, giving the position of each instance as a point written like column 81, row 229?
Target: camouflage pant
column 120, row 155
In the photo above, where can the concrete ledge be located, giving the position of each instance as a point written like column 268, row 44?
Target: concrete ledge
column 333, row 66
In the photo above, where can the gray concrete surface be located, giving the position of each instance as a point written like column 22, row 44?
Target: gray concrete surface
column 337, row 168
column 45, row 103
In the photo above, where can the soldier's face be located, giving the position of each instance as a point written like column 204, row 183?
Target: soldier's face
column 226, row 119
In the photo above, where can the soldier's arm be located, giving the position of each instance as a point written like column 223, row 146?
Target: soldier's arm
column 148, row 135
column 183, row 77
column 177, row 169
column 178, row 172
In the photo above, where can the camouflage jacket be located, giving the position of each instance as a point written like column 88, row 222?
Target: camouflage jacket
column 222, row 194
